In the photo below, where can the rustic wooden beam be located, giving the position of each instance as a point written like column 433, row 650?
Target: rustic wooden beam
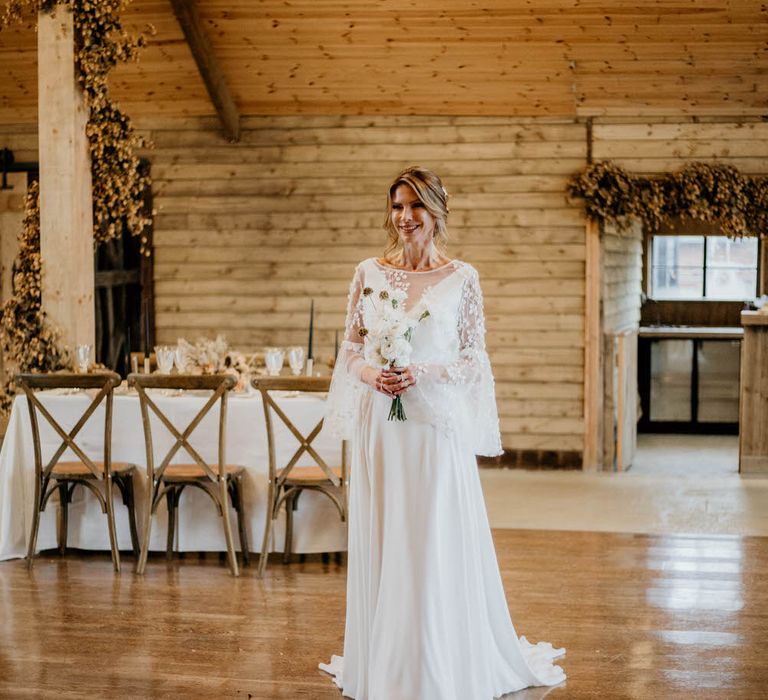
column 210, row 71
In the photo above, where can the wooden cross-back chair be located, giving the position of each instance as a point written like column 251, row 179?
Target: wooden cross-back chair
column 64, row 476
column 221, row 481
column 286, row 483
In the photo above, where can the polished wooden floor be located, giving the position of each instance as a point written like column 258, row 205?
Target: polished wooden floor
column 641, row 616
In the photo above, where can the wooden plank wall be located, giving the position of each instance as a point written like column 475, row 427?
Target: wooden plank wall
column 655, row 146
column 22, row 140
column 622, row 275
column 247, row 233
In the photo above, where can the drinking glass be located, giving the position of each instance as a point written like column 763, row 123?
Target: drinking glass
column 296, row 359
column 273, row 358
column 180, row 359
column 164, row 355
column 84, row 354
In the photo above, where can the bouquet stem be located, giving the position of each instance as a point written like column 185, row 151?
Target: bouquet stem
column 396, row 411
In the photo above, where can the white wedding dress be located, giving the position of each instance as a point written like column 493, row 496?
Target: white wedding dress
column 427, row 618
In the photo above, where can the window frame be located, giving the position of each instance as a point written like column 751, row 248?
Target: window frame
column 697, row 228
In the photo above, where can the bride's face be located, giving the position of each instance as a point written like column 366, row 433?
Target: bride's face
column 410, row 217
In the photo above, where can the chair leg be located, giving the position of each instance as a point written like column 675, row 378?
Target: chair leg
column 228, row 528
column 171, row 501
column 142, row 561
column 111, row 522
column 289, row 508
column 236, row 494
column 32, row 545
column 63, row 515
column 267, row 530
column 128, row 500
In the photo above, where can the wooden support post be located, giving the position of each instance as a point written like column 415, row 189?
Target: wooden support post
column 593, row 370
column 66, row 207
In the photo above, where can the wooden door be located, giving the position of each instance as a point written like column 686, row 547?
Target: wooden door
column 124, row 299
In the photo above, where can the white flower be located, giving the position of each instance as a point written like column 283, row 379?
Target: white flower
column 374, row 357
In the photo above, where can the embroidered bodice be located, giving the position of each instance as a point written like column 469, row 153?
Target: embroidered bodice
column 454, row 389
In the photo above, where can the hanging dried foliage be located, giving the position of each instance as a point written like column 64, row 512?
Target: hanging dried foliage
column 717, row 194
column 27, row 340
column 117, row 178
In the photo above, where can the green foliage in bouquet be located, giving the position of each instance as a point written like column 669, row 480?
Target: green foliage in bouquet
column 716, row 194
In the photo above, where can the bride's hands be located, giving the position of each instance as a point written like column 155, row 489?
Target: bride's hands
column 398, row 380
column 391, row 382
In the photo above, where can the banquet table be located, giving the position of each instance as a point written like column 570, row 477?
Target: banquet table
column 317, row 527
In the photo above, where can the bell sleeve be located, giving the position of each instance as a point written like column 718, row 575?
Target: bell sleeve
column 347, row 387
column 470, row 373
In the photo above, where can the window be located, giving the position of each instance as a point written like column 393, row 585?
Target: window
column 703, row 267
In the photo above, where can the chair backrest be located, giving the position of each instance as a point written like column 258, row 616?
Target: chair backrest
column 310, row 385
column 218, row 384
column 103, row 383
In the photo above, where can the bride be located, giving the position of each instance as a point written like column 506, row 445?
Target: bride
column 426, row 614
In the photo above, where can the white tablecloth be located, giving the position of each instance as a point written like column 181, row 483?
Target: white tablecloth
column 317, row 527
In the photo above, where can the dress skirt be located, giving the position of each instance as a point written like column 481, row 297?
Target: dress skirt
column 426, row 617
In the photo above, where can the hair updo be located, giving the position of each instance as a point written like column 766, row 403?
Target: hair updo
column 430, row 191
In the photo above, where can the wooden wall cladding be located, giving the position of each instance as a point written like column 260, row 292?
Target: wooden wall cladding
column 246, row 234
column 663, row 145
column 622, row 278
column 621, row 294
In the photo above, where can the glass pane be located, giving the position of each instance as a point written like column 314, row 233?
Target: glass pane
column 677, row 265
column 719, row 381
column 731, row 268
column 671, row 364
column 678, row 282
column 728, row 283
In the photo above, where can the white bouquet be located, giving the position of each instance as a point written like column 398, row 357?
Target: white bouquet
column 388, row 340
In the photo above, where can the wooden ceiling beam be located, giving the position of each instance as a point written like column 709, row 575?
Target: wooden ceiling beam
column 210, row 70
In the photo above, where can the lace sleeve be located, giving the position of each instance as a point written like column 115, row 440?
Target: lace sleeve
column 346, row 386
column 471, row 371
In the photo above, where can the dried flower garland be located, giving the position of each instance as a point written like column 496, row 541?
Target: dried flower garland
column 28, row 342
column 117, row 178
column 717, row 194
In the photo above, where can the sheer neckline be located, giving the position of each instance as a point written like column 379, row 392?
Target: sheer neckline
column 414, row 272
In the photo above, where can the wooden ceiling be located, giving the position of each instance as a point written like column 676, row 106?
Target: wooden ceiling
column 559, row 58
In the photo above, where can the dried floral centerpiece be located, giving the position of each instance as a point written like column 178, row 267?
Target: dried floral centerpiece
column 206, row 356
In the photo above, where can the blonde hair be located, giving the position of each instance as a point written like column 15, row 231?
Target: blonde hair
column 431, row 193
